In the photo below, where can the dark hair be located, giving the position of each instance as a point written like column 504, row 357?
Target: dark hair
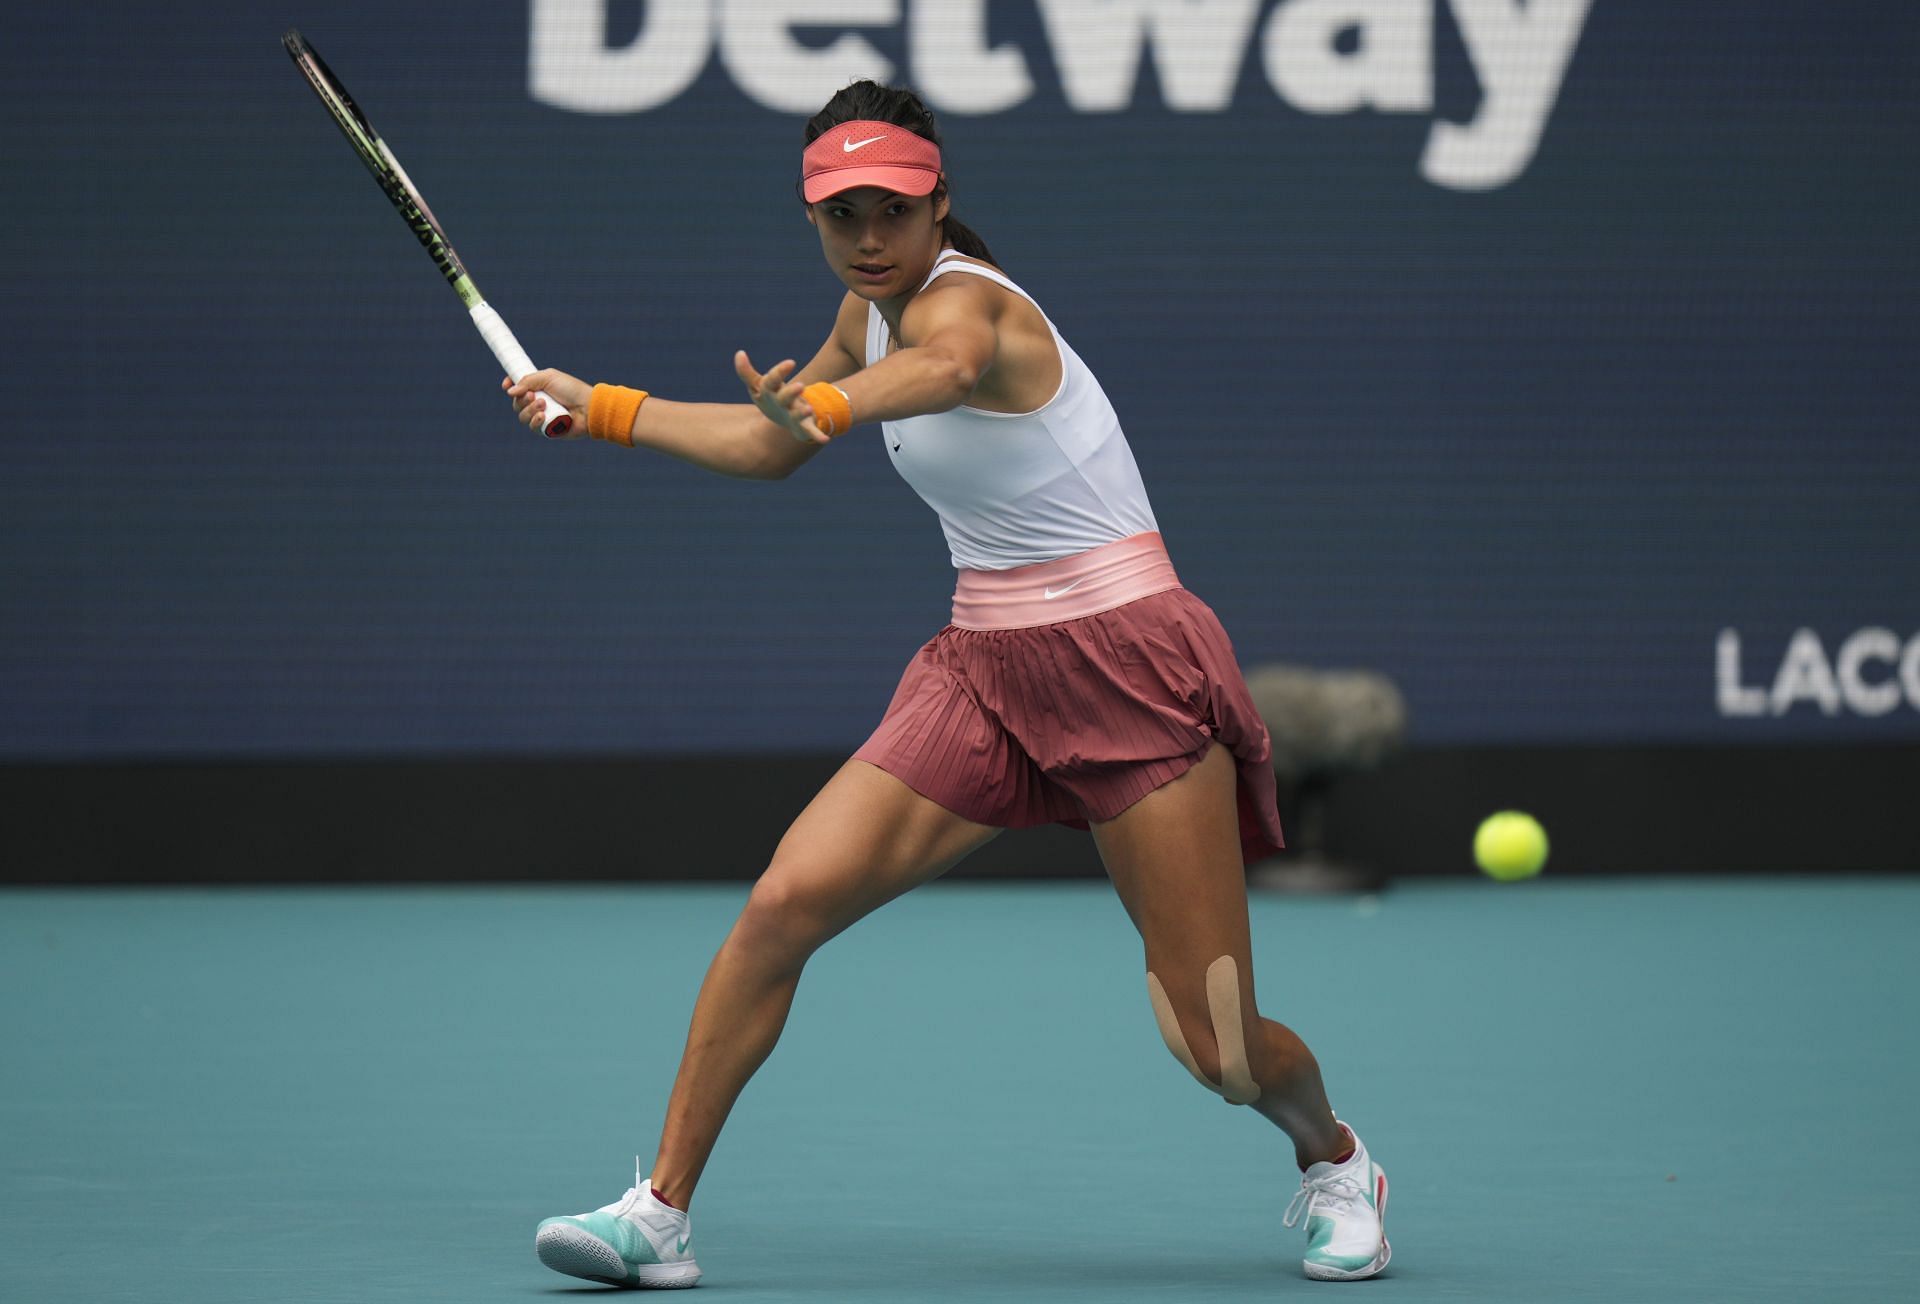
column 869, row 101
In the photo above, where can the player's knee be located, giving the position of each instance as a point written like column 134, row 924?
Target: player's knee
column 1204, row 1028
column 785, row 916
column 1190, row 1037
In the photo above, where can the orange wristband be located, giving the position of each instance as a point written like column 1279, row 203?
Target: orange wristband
column 611, row 411
column 832, row 410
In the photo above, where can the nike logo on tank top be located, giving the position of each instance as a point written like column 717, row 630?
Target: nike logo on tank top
column 1016, row 489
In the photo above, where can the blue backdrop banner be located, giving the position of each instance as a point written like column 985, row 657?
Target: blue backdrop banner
column 1558, row 359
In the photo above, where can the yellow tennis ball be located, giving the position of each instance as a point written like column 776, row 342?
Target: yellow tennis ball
column 1510, row 845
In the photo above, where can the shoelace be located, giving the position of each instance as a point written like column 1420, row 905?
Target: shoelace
column 1338, row 1190
column 625, row 1202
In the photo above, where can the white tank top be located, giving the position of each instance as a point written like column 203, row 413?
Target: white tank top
column 1016, row 489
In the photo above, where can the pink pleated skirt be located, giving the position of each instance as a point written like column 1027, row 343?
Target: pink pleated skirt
column 1066, row 691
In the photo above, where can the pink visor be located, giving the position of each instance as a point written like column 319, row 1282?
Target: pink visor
column 862, row 153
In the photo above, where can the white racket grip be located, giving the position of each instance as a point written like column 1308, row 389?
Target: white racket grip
column 556, row 420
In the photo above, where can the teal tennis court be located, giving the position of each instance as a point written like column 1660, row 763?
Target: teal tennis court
column 1603, row 1090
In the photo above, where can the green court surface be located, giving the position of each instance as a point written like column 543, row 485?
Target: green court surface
column 1594, row 1090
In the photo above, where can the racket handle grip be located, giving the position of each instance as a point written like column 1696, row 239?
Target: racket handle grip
column 555, row 420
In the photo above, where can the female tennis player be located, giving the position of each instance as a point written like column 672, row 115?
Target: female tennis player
column 1078, row 682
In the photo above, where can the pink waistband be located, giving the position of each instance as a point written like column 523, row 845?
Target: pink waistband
column 1067, row 588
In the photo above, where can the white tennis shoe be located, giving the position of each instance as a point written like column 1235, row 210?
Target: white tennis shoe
column 1345, row 1206
column 637, row 1241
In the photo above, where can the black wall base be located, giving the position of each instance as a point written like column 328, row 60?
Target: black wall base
column 1610, row 810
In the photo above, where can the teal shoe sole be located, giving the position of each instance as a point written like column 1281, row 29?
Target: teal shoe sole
column 579, row 1253
column 1326, row 1272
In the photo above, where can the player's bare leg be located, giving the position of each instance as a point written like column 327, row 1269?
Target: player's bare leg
column 864, row 840
column 1174, row 857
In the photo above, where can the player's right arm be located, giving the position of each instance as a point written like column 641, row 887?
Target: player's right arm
column 737, row 439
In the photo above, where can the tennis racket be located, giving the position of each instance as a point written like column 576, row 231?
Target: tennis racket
column 399, row 188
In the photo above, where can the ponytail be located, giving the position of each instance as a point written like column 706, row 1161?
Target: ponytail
column 964, row 239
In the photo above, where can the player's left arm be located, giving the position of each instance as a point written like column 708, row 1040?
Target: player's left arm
column 949, row 339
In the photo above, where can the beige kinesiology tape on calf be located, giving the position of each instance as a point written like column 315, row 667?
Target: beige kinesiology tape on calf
column 1223, row 1006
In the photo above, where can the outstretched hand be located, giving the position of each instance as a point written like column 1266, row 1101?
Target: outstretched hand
column 779, row 398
